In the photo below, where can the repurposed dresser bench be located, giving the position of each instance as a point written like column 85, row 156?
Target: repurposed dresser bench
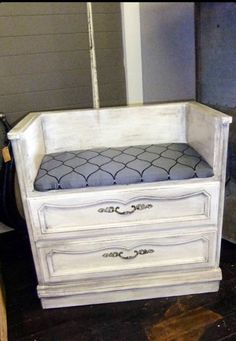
column 123, row 203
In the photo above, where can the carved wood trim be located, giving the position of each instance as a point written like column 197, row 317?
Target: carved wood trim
column 97, row 204
column 168, row 241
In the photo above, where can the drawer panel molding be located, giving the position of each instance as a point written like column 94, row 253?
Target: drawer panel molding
column 194, row 206
column 69, row 261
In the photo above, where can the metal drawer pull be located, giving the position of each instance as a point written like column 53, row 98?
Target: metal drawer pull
column 128, row 257
column 112, row 209
column 125, row 212
column 136, row 253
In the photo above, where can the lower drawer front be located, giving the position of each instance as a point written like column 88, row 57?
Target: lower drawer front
column 73, row 260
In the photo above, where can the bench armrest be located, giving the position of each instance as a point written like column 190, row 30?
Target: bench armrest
column 28, row 145
column 207, row 132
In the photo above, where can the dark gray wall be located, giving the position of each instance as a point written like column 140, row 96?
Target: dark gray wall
column 217, row 59
column 218, row 53
column 168, row 51
column 44, row 56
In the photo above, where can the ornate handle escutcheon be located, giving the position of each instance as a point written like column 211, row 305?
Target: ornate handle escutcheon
column 136, row 253
column 112, row 209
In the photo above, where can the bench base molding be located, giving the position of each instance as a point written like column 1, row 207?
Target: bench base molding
column 127, row 289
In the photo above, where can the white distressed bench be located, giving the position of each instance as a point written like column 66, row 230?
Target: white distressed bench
column 107, row 219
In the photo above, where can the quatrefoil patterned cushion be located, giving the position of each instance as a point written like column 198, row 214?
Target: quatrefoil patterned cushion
column 125, row 165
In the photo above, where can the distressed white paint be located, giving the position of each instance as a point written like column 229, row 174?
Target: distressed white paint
column 112, row 127
column 189, row 204
column 130, row 13
column 182, row 226
column 59, row 259
column 93, row 62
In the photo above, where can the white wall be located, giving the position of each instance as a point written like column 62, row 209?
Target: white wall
column 130, row 13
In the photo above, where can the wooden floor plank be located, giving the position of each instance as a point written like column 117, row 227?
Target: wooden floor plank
column 186, row 325
column 3, row 316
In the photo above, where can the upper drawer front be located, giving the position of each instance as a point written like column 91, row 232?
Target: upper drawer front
column 75, row 260
column 115, row 209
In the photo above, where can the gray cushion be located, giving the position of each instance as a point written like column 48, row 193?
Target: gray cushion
column 125, row 165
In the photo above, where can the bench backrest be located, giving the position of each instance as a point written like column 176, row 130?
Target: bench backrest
column 110, row 127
